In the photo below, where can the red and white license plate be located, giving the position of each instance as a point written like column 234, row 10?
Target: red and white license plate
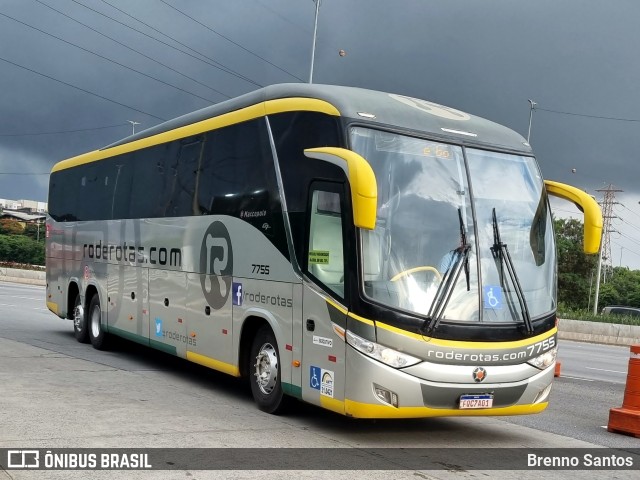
column 476, row 401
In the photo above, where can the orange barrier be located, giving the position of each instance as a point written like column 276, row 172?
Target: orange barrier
column 626, row 419
column 557, row 372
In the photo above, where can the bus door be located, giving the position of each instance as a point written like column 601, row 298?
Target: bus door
column 323, row 376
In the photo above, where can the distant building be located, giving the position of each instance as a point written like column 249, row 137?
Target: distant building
column 22, row 217
column 25, row 206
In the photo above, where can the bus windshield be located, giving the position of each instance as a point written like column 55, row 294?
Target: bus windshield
column 425, row 231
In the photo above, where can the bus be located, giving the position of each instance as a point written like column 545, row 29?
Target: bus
column 373, row 254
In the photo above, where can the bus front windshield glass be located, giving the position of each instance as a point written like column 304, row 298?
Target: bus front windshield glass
column 428, row 257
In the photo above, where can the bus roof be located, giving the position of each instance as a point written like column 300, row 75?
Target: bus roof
column 369, row 106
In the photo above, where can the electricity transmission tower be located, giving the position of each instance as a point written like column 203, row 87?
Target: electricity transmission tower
column 608, row 201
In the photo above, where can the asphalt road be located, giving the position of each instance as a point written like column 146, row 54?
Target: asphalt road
column 55, row 393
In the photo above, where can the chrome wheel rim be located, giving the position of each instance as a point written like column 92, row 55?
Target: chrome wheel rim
column 78, row 316
column 95, row 321
column 266, row 368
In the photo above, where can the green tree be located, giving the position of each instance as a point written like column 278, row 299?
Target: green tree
column 21, row 249
column 9, row 226
column 575, row 268
column 577, row 273
column 35, row 231
column 622, row 287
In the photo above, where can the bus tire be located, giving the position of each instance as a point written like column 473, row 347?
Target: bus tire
column 97, row 335
column 80, row 326
column 264, row 372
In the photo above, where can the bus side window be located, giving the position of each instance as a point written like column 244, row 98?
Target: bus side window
column 326, row 252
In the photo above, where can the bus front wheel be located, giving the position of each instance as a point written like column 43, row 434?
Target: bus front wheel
column 97, row 335
column 264, row 362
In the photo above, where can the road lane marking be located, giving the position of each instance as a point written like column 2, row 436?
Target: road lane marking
column 603, row 370
column 578, row 378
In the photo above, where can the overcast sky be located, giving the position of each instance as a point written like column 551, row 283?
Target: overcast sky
column 74, row 72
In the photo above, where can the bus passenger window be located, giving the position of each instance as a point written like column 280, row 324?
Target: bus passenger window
column 326, row 257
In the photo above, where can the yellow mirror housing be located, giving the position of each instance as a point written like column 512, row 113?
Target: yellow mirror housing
column 364, row 190
column 590, row 208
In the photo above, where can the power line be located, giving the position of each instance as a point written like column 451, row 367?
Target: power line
column 587, row 116
column 629, row 238
column 106, row 58
column 627, row 223
column 556, row 209
column 82, row 89
column 61, row 131
column 628, row 209
column 282, row 17
column 212, row 30
column 627, row 249
column 23, row 173
column 215, row 63
column 132, row 49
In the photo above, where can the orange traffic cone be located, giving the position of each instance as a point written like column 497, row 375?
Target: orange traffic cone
column 557, row 372
column 626, row 419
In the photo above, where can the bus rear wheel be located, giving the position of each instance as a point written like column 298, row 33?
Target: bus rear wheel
column 97, row 335
column 80, row 327
column 264, row 362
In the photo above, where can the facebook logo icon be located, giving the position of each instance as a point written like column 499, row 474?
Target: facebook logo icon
column 236, row 293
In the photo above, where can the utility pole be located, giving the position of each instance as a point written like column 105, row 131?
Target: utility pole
column 315, row 34
column 608, row 200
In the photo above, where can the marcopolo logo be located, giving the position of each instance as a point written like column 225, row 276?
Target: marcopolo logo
column 216, row 265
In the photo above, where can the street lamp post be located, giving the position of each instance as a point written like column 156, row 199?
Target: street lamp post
column 133, row 126
column 313, row 47
column 533, row 107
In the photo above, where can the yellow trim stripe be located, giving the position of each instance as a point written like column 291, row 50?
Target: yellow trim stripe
column 337, row 307
column 249, row 113
column 348, row 313
column 295, row 104
column 494, row 345
column 332, row 404
column 466, row 344
column 367, row 410
column 53, row 307
column 449, row 343
column 213, row 363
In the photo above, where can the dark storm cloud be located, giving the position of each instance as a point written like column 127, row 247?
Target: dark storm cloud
column 486, row 57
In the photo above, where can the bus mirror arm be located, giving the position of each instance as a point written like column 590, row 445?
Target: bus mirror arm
column 590, row 208
column 362, row 182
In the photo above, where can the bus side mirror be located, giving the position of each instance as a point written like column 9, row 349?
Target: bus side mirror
column 590, row 208
column 364, row 190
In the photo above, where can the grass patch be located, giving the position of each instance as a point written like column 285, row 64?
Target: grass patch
column 588, row 316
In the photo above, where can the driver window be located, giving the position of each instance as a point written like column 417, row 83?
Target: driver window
column 325, row 260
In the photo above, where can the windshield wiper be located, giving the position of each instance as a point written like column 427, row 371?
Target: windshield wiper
column 445, row 290
column 500, row 253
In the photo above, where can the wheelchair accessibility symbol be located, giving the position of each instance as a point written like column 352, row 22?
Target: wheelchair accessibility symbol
column 492, row 297
column 315, row 375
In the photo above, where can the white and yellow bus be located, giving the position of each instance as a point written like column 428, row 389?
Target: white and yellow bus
column 370, row 253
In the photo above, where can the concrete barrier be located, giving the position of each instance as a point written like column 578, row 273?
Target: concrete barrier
column 16, row 275
column 596, row 332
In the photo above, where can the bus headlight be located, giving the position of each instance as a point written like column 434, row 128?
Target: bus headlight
column 386, row 355
column 545, row 360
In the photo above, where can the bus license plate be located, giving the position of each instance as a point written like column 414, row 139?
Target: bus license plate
column 476, row 401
